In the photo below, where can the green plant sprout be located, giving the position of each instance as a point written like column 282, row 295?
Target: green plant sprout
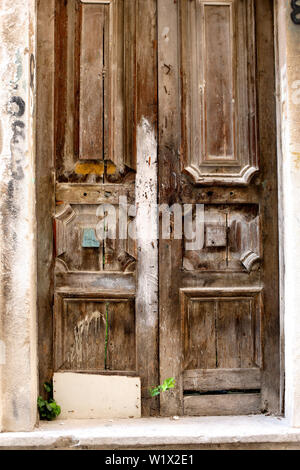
column 165, row 387
column 48, row 409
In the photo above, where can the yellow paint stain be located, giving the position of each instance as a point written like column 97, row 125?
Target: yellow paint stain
column 111, row 168
column 297, row 160
column 90, row 169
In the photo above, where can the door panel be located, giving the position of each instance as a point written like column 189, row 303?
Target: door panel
column 94, row 60
column 105, row 87
column 221, row 331
column 218, row 89
column 95, row 334
column 219, row 313
column 95, row 284
column 95, row 90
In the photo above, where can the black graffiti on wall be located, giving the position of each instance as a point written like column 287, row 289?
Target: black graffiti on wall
column 17, row 107
column 295, row 15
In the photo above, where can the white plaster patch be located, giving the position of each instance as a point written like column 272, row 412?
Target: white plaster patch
column 82, row 330
column 147, row 221
column 89, row 396
column 165, row 33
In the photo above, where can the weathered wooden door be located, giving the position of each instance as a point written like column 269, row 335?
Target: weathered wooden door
column 219, row 320
column 195, row 80
column 106, row 96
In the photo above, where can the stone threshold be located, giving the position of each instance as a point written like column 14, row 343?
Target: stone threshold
column 232, row 432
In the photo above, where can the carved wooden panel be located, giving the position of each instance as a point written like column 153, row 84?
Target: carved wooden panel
column 82, row 246
column 95, row 98
column 218, row 91
column 221, row 328
column 94, row 76
column 232, row 240
column 94, row 334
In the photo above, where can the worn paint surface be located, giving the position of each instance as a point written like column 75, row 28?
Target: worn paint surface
column 147, row 227
column 89, row 169
column 17, row 222
column 89, row 239
column 95, row 321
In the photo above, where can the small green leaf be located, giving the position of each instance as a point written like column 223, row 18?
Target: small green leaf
column 167, row 385
column 154, row 391
column 170, row 383
column 48, row 410
column 48, row 387
column 41, row 402
column 49, row 407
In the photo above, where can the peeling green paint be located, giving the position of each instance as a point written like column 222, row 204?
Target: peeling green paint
column 89, row 239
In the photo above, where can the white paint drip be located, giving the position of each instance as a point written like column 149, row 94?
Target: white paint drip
column 83, row 338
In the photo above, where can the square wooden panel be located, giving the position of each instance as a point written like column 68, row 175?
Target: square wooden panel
column 80, row 243
column 94, row 334
column 221, row 328
column 232, row 236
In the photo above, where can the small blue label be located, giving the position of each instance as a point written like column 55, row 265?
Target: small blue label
column 89, row 239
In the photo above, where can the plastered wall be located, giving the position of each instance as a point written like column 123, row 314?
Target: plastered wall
column 18, row 364
column 289, row 154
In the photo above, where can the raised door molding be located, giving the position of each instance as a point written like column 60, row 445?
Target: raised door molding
column 218, row 91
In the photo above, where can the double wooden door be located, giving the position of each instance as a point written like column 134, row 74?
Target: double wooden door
column 171, row 103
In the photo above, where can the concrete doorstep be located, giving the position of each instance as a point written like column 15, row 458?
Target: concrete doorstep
column 250, row 432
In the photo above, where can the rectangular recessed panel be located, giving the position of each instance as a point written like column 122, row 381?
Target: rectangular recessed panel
column 219, row 86
column 222, row 405
column 235, row 334
column 83, row 335
column 199, row 335
column 210, row 380
column 92, row 334
column 93, row 80
column 121, row 353
column 221, row 332
column 218, row 91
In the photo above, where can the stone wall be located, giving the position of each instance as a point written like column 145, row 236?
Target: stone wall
column 18, row 365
